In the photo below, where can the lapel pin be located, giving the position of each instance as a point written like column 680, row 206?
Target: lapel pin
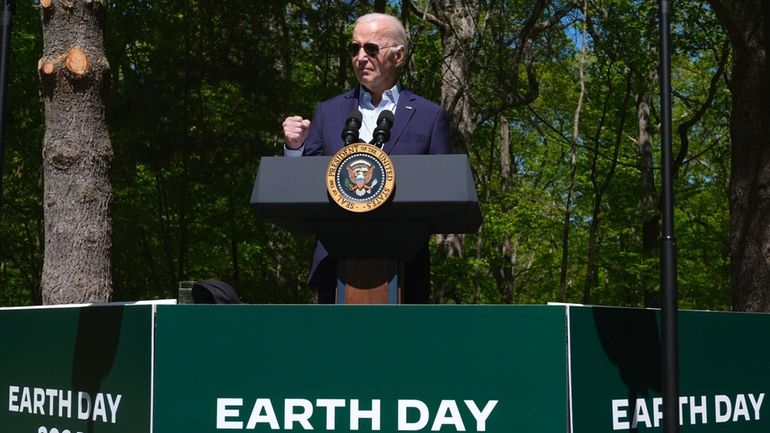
column 408, row 107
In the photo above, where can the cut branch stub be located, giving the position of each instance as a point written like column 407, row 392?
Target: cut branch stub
column 46, row 67
column 46, row 3
column 77, row 62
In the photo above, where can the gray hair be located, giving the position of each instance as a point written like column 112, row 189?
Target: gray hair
column 396, row 30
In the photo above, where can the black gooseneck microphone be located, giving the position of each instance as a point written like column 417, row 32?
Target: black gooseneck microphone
column 352, row 125
column 382, row 131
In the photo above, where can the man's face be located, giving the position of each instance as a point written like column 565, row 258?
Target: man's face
column 377, row 73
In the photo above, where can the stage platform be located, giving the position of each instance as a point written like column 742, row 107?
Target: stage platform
column 164, row 368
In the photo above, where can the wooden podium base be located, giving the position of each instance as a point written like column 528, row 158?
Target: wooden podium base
column 369, row 281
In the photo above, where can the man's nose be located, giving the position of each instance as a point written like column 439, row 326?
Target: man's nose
column 361, row 57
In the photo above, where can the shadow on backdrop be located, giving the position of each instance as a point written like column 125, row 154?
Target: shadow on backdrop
column 96, row 344
column 631, row 340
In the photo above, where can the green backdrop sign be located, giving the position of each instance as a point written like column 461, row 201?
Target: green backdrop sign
column 616, row 371
column 76, row 369
column 373, row 368
column 201, row 369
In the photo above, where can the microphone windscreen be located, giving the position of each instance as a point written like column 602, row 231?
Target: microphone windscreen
column 385, row 116
column 355, row 115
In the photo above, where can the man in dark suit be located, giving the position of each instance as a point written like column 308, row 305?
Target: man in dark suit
column 378, row 49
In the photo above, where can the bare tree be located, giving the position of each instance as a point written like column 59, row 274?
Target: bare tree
column 77, row 153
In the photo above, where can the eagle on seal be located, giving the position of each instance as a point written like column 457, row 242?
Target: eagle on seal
column 360, row 173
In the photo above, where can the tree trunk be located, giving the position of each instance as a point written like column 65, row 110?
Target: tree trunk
column 509, row 251
column 649, row 204
column 568, row 205
column 456, row 37
column 164, row 223
column 457, row 40
column 748, row 25
column 77, row 154
column 190, row 34
column 566, row 223
column 601, row 187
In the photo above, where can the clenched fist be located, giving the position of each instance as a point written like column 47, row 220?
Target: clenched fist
column 295, row 130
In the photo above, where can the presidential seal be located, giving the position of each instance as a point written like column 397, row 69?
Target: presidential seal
column 360, row 177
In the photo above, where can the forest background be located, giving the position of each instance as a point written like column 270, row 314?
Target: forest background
column 555, row 102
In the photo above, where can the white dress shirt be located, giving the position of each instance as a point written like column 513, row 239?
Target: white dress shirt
column 369, row 115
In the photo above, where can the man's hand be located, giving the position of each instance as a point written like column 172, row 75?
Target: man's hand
column 295, row 130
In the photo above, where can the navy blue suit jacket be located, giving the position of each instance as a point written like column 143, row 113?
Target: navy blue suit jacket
column 419, row 127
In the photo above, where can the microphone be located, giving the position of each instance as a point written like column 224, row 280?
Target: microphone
column 352, row 125
column 382, row 131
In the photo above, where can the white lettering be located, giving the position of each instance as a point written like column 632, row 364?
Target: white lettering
column 657, row 411
column 619, row 411
column 65, row 403
column 224, row 411
column 756, row 404
column 84, row 405
column 290, row 417
column 403, row 415
column 481, row 416
column 99, row 408
column 26, row 401
column 698, row 409
column 448, row 414
column 683, row 400
column 13, row 396
column 39, row 401
column 331, row 404
column 263, row 404
column 51, row 394
column 45, row 401
column 356, row 414
column 641, row 414
column 719, row 401
column 114, row 406
column 741, row 408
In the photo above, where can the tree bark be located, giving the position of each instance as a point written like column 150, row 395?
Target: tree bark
column 748, row 26
column 77, row 154
column 509, row 250
column 457, row 32
column 457, row 37
column 649, row 202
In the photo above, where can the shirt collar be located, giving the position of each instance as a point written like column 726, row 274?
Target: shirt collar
column 390, row 96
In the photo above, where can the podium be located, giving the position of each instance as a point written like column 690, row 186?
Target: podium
column 433, row 194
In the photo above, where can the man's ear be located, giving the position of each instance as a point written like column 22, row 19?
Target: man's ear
column 400, row 56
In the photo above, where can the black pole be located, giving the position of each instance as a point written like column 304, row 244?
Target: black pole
column 668, row 245
column 9, row 7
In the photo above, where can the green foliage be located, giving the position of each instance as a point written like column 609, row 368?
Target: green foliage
column 21, row 207
column 199, row 90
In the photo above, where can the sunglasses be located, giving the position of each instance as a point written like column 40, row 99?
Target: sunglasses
column 371, row 49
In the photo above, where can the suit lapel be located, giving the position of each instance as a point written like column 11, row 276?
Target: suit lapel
column 405, row 109
column 349, row 104
column 346, row 105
